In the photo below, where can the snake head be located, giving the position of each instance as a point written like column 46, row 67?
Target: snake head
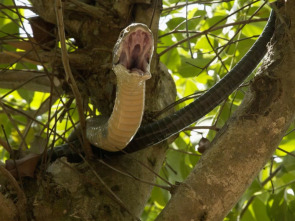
column 134, row 49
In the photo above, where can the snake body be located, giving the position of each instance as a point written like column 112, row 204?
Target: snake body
column 160, row 130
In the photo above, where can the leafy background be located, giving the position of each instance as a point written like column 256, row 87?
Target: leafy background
column 198, row 43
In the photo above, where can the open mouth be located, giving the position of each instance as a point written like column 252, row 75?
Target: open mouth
column 136, row 51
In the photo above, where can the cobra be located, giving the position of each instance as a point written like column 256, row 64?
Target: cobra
column 132, row 56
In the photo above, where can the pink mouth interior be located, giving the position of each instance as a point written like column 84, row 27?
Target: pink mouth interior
column 136, row 51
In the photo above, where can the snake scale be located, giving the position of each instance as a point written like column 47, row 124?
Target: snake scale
column 162, row 129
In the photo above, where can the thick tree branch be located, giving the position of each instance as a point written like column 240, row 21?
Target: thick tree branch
column 248, row 140
column 80, row 60
column 29, row 80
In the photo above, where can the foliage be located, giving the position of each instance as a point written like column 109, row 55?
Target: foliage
column 217, row 41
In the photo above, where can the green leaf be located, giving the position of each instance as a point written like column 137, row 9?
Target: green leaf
column 160, row 196
column 278, row 208
column 27, row 95
column 174, row 22
column 259, row 210
column 191, row 67
column 253, row 29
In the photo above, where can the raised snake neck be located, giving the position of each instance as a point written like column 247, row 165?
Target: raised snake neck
column 132, row 56
column 159, row 131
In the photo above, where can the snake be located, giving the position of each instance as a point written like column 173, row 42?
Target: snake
column 158, row 131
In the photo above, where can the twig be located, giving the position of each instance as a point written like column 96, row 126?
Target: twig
column 5, row 145
column 70, row 78
column 291, row 154
column 13, row 122
column 217, row 54
column 170, row 106
column 186, row 29
column 185, row 152
column 14, row 7
column 213, row 127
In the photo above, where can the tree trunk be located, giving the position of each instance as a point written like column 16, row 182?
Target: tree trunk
column 116, row 188
column 249, row 138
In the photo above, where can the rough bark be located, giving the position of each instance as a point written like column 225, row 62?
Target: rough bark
column 249, row 138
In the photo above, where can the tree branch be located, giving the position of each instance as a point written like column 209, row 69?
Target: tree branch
column 70, row 77
column 29, row 80
column 247, row 141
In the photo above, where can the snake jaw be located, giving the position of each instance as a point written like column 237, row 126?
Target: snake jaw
column 134, row 49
